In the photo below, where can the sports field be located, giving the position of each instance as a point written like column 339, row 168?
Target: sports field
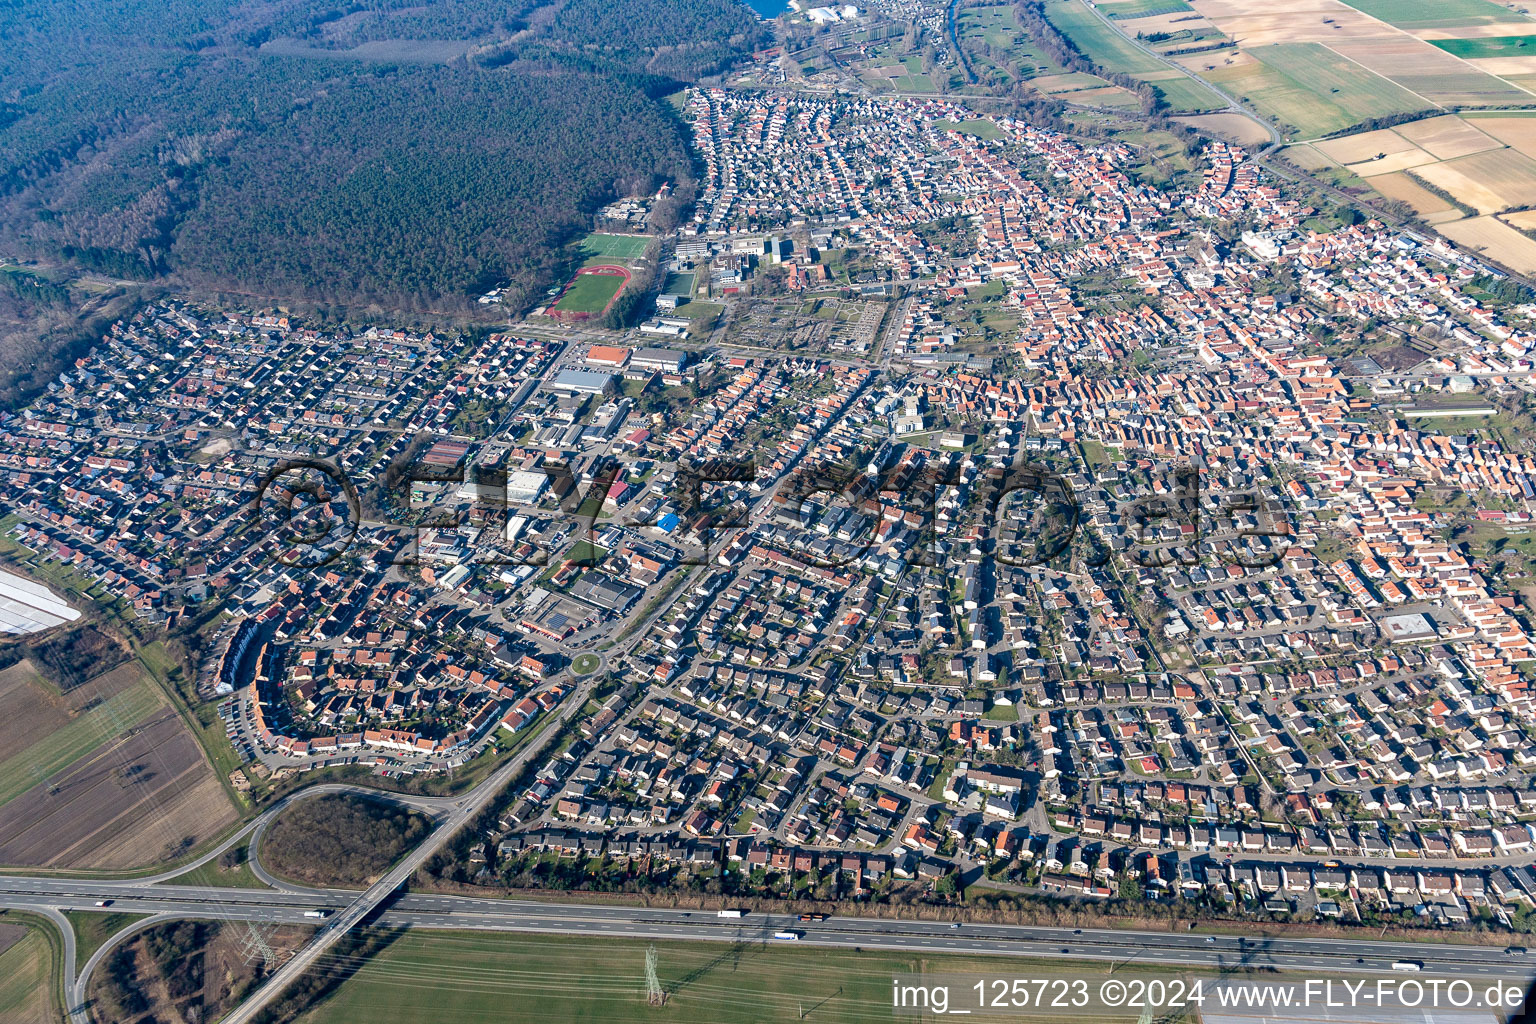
column 590, row 292
column 616, row 247
column 464, row 976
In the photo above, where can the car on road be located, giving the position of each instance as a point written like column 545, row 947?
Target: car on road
column 954, row 924
column 1210, row 938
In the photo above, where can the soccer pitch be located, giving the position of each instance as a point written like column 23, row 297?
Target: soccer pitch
column 619, row 247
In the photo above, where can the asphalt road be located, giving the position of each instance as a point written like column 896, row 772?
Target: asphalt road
column 420, row 910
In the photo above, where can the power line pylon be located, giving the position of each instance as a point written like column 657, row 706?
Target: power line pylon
column 654, row 994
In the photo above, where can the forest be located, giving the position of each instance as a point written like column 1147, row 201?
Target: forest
column 341, row 840
column 175, row 141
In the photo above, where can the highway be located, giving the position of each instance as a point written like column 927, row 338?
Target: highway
column 421, row 910
column 454, row 816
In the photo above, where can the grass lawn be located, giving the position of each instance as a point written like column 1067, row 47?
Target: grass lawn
column 977, row 126
column 585, row 664
column 470, row 977
column 1002, row 713
column 699, row 310
column 212, row 876
column 590, row 293
column 102, row 724
column 584, row 551
column 26, row 979
column 621, row 247
column 92, row 930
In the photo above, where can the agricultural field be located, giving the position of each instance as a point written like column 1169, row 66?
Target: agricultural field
column 1175, row 32
column 101, row 774
column 1463, row 175
column 1369, row 59
column 1130, row 9
column 1107, row 48
column 1496, row 239
column 1446, row 138
column 1099, row 42
column 1431, row 208
column 1499, row 46
column 614, row 247
column 1518, row 133
column 26, row 970
column 1336, row 80
column 1489, row 182
column 1239, row 128
column 1420, row 14
column 1293, row 105
column 466, row 976
column 1085, row 89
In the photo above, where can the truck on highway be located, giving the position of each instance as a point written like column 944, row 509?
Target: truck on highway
column 731, row 913
column 317, row 914
column 787, row 936
column 1408, row 965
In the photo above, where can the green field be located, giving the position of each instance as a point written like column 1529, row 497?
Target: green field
column 105, row 722
column 1312, row 89
column 521, row 979
column 1497, row 46
column 1337, row 79
column 699, row 310
column 211, row 875
column 92, row 930
column 1144, row 8
column 1010, row 44
column 977, row 126
column 25, row 979
column 1434, row 13
column 1100, row 43
column 590, row 293
column 1182, row 93
column 1107, row 48
column 618, row 247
